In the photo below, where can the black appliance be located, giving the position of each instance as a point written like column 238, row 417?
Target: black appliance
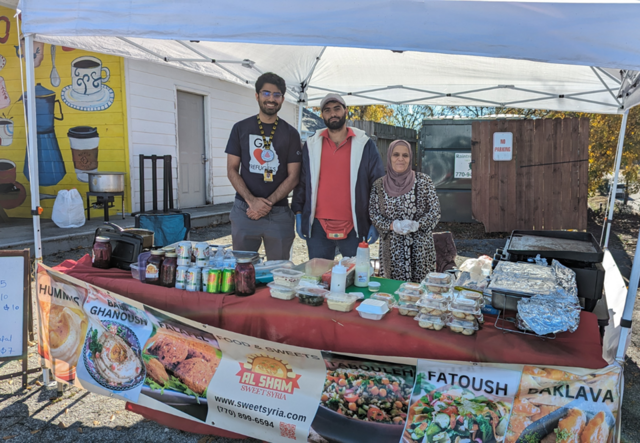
column 576, row 250
column 125, row 247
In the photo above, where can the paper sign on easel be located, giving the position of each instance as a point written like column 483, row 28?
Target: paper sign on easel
column 502, row 146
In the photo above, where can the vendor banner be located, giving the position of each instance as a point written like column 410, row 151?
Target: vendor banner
column 114, row 346
column 565, row 405
column 455, row 402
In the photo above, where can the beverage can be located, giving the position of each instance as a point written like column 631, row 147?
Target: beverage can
column 184, row 253
column 201, row 252
column 228, row 281
column 181, row 277
column 214, row 281
column 205, row 278
column 193, row 279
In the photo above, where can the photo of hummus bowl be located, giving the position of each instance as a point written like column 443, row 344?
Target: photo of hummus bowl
column 112, row 357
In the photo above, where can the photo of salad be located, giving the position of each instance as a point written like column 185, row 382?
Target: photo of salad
column 451, row 414
column 367, row 396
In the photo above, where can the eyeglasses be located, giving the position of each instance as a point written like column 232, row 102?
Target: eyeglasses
column 275, row 95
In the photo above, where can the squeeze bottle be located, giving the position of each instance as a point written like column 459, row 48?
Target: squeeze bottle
column 362, row 265
column 339, row 278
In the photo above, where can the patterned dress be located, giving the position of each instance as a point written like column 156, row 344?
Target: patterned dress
column 406, row 257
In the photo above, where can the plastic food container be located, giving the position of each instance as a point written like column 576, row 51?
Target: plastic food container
column 438, row 278
column 264, row 269
column 374, row 286
column 466, row 304
column 372, row 309
column 473, row 295
column 135, row 271
column 412, row 289
column 437, row 288
column 339, row 301
column 281, row 292
column 433, row 304
column 466, row 327
column 388, row 298
column 287, row 277
column 408, row 309
column 318, row 266
column 312, row 296
column 435, row 322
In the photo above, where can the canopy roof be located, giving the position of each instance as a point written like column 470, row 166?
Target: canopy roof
column 563, row 56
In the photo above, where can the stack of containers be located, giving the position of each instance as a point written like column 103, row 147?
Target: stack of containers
column 435, row 304
column 284, row 283
column 408, row 296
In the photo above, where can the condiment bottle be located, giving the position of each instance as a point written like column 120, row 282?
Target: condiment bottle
column 101, row 253
column 168, row 270
column 153, row 266
column 362, row 265
column 339, row 278
column 245, row 277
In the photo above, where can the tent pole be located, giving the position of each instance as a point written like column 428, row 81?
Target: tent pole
column 300, row 106
column 627, row 314
column 623, row 127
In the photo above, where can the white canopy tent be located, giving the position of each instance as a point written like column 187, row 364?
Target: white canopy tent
column 567, row 56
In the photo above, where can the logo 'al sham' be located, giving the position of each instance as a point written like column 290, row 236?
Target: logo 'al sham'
column 267, row 372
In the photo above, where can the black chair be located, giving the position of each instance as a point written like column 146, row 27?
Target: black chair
column 167, row 228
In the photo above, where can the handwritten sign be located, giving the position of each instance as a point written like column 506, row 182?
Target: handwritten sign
column 13, row 293
column 502, row 146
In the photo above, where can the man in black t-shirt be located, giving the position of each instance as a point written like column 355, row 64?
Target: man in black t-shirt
column 263, row 165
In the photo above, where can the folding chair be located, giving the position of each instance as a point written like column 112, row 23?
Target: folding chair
column 167, row 228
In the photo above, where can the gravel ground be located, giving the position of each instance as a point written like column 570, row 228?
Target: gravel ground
column 37, row 414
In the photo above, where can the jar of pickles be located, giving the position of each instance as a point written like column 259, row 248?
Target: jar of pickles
column 153, row 267
column 245, row 277
column 101, row 253
column 168, row 270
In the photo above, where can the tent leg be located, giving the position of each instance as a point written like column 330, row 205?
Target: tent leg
column 300, row 106
column 623, row 127
column 627, row 314
column 34, row 177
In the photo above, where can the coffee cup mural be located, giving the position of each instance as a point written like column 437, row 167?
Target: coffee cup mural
column 6, row 131
column 88, row 91
column 84, row 142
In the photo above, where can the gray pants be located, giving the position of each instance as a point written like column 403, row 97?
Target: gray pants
column 276, row 229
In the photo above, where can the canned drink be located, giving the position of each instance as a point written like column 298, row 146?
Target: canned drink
column 205, row 278
column 201, row 251
column 193, row 279
column 228, row 281
column 184, row 253
column 214, row 281
column 181, row 277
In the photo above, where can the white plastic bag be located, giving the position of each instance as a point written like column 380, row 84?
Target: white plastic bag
column 404, row 227
column 68, row 209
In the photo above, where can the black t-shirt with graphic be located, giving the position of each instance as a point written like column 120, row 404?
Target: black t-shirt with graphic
column 246, row 142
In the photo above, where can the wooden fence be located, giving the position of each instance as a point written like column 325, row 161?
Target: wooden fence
column 383, row 135
column 543, row 187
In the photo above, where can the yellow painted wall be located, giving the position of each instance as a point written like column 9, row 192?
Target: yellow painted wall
column 111, row 126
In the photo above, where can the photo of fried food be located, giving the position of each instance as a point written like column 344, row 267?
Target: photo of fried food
column 572, row 426
column 180, row 362
column 596, row 430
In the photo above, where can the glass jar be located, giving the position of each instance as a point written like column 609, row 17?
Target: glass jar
column 101, row 253
column 153, row 267
column 168, row 270
column 245, row 277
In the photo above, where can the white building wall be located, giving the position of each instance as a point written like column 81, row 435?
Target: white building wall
column 151, row 91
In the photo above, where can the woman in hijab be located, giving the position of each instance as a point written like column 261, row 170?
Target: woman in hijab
column 404, row 208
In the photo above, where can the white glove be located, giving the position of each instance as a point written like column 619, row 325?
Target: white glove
column 404, row 227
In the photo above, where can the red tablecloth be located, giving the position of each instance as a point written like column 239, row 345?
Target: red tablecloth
column 296, row 324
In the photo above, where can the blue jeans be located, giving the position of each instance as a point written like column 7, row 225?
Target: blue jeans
column 320, row 246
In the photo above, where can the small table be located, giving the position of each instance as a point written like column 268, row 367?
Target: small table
column 105, row 202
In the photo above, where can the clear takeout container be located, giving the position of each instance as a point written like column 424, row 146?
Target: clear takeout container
column 464, row 304
column 473, row 295
column 435, row 322
column 408, row 309
column 312, row 296
column 411, row 289
column 135, row 271
column 372, row 309
column 287, row 277
column 374, row 286
column 318, row 266
column 388, row 298
column 281, row 292
column 438, row 278
column 264, row 269
column 466, row 327
column 433, row 304
column 339, row 301
column 437, row 288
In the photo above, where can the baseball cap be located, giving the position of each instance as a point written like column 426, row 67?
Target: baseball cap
column 332, row 98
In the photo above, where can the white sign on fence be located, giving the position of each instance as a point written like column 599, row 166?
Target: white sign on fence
column 502, row 146
column 11, row 306
column 462, row 165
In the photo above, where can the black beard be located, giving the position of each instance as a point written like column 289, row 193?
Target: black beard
column 267, row 111
column 336, row 124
